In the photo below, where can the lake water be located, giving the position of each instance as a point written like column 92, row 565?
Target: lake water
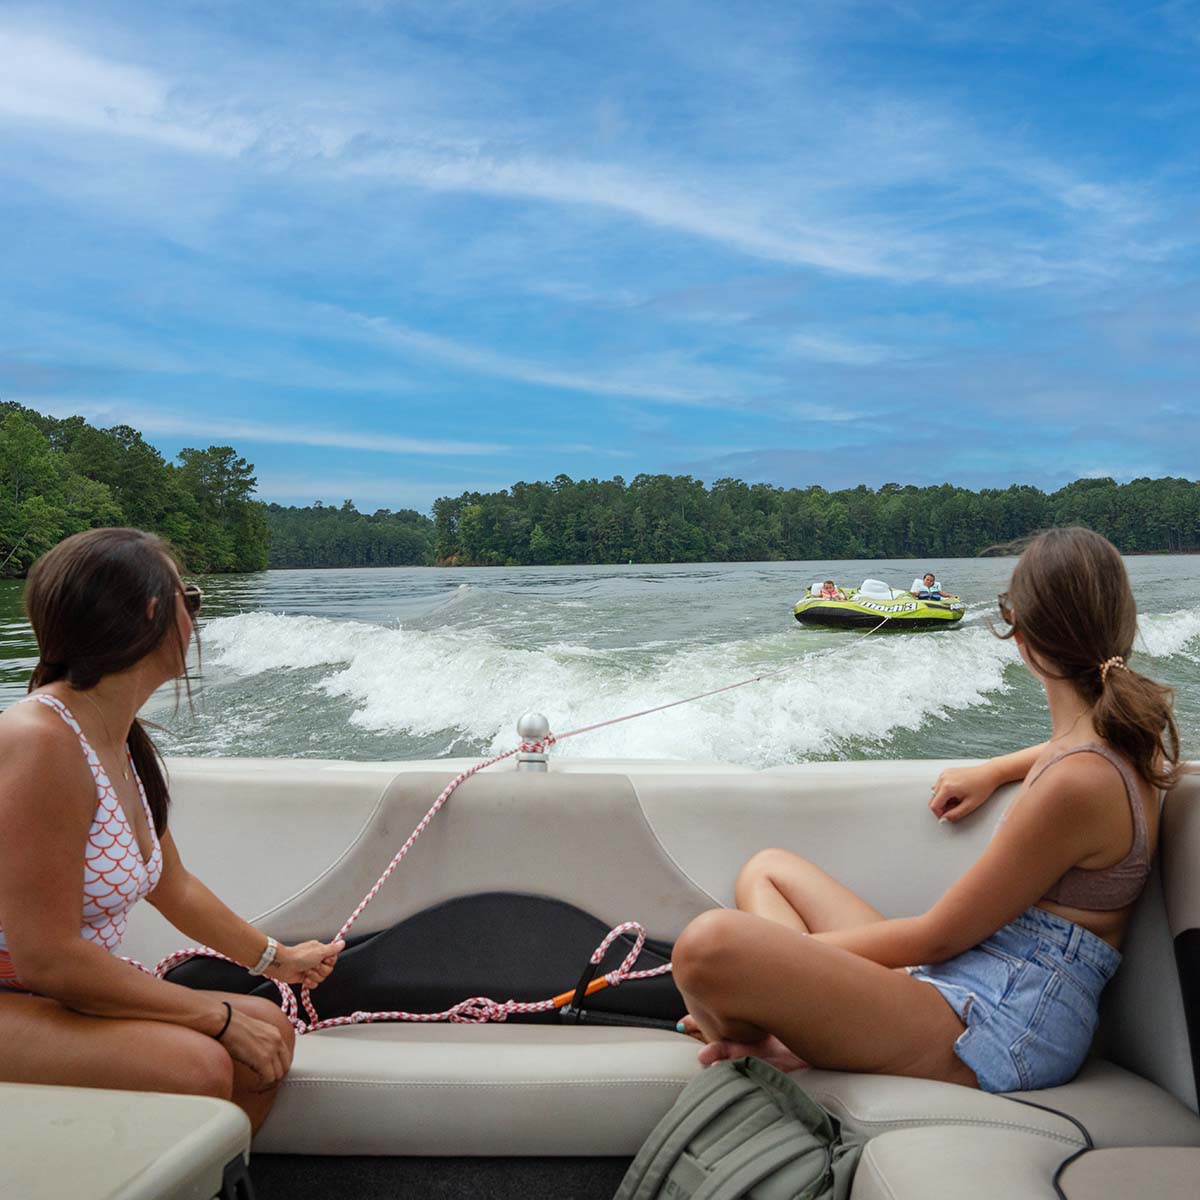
column 424, row 663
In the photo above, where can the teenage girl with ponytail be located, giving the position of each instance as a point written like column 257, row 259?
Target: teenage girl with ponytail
column 84, row 836
column 1019, row 949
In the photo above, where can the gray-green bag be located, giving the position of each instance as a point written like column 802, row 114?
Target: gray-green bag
column 743, row 1129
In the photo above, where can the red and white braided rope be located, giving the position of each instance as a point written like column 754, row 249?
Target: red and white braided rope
column 475, row 1009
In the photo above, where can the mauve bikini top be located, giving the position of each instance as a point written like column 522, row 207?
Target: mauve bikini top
column 1104, row 889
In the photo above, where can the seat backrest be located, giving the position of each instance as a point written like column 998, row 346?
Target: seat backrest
column 1180, row 856
column 1154, row 999
column 876, row 589
column 295, row 847
column 1143, row 1023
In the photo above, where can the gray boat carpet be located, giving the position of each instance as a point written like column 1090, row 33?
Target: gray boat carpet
column 333, row 1177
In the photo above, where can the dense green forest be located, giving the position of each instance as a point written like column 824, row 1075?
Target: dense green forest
column 675, row 518
column 58, row 476
column 325, row 536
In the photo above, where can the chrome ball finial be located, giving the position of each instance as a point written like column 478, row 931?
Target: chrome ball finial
column 532, row 727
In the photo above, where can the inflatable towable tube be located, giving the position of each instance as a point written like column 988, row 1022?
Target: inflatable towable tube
column 866, row 607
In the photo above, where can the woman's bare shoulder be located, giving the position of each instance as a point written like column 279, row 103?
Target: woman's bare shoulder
column 1076, row 784
column 37, row 754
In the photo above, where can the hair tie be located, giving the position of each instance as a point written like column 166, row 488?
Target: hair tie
column 1108, row 664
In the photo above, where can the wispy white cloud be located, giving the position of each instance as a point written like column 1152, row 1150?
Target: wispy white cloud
column 161, row 422
column 674, row 378
column 587, row 448
column 823, row 345
column 857, row 154
column 43, row 79
column 367, row 492
column 735, row 221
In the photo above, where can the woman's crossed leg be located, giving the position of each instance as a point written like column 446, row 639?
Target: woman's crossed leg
column 754, row 986
column 749, row 972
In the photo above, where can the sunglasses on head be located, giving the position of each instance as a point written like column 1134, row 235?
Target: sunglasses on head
column 1006, row 612
column 193, row 597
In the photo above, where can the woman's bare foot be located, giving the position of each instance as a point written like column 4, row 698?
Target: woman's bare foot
column 770, row 1049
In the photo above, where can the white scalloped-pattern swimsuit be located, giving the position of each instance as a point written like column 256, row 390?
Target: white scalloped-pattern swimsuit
column 115, row 876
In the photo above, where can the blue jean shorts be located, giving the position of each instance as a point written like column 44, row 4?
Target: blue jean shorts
column 1029, row 996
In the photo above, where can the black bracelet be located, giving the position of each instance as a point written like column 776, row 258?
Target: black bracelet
column 228, row 1018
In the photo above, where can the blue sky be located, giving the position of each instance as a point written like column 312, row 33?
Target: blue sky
column 395, row 250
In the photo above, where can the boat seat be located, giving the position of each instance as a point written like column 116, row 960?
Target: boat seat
column 87, row 1142
column 497, row 1090
column 556, row 1090
column 992, row 1164
column 1115, row 1106
column 937, row 1163
column 1164, row 1172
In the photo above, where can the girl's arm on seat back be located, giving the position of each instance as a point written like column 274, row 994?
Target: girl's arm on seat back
column 961, row 790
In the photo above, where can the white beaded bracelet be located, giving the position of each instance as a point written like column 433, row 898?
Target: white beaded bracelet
column 266, row 958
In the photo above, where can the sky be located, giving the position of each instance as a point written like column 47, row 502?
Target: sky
column 398, row 250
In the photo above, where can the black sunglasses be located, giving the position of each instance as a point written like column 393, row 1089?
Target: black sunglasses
column 193, row 598
column 1006, row 612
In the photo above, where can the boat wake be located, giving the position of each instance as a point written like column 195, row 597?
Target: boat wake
column 465, row 688
column 1168, row 635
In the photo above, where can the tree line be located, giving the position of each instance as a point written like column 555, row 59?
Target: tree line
column 675, row 518
column 322, row 535
column 59, row 476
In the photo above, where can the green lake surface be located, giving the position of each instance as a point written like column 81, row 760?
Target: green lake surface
column 423, row 663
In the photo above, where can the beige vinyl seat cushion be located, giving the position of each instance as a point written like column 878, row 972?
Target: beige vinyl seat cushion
column 587, row 1090
column 477, row 1090
column 948, row 1163
column 1115, row 1106
column 85, row 1142
column 1164, row 1172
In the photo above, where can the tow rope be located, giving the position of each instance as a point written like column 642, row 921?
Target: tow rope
column 481, row 1009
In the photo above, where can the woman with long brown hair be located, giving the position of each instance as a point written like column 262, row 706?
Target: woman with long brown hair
column 84, row 835
column 1019, row 949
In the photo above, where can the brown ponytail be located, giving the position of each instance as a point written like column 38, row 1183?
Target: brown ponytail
column 87, row 601
column 1072, row 604
column 1133, row 714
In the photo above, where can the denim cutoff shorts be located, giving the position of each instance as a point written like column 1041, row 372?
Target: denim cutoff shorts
column 1029, row 996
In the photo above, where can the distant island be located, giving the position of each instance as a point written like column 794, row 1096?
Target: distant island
column 58, row 476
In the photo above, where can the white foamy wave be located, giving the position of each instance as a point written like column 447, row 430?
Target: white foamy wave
column 255, row 642
column 423, row 683
column 1163, row 635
